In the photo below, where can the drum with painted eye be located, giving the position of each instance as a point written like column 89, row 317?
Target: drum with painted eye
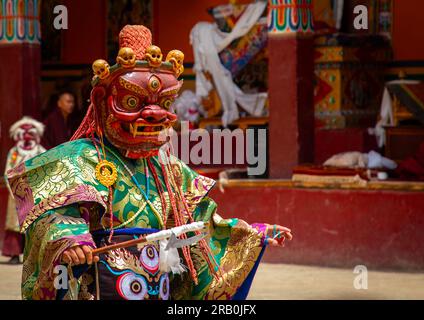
column 132, row 287
column 164, row 287
column 149, row 259
column 131, row 273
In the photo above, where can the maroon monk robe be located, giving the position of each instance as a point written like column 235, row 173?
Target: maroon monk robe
column 58, row 130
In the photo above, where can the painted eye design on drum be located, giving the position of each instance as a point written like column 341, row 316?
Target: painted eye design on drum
column 149, row 259
column 164, row 287
column 131, row 286
column 167, row 103
column 130, row 102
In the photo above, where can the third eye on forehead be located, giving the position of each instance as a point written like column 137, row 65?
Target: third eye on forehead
column 147, row 80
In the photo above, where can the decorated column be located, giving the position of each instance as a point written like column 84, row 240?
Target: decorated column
column 20, row 59
column 291, row 75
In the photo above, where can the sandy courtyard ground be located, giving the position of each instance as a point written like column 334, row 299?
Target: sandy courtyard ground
column 278, row 281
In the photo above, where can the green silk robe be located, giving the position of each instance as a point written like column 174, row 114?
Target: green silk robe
column 60, row 203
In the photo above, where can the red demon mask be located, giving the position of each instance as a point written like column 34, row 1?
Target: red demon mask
column 131, row 101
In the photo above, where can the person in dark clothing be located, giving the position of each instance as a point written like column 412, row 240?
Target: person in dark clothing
column 62, row 121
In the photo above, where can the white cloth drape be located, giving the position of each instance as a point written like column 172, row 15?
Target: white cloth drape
column 386, row 113
column 338, row 6
column 207, row 41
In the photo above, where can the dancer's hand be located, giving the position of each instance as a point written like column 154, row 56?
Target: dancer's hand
column 79, row 255
column 277, row 234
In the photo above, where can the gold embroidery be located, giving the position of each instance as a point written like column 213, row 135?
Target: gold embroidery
column 240, row 256
column 133, row 87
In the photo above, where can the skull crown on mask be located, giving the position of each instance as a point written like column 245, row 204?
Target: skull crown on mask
column 135, row 111
column 131, row 100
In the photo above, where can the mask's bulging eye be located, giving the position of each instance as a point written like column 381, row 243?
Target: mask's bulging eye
column 154, row 84
column 167, row 103
column 130, row 102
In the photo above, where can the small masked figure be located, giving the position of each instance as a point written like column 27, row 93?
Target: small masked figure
column 26, row 133
column 189, row 108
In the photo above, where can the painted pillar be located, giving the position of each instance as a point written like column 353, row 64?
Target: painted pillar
column 20, row 61
column 291, row 76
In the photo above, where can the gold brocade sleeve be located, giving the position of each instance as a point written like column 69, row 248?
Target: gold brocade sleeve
column 236, row 247
column 46, row 239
